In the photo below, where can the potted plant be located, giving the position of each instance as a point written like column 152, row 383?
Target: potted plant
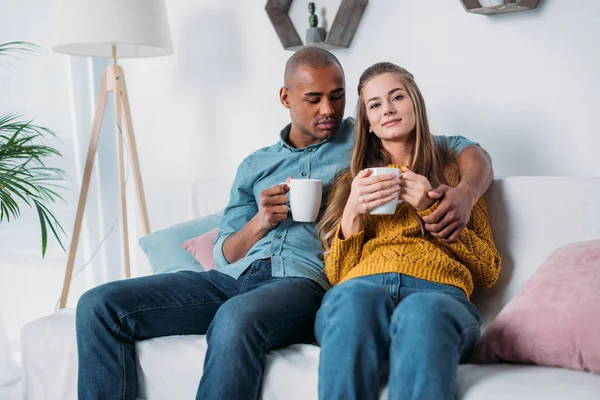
column 25, row 179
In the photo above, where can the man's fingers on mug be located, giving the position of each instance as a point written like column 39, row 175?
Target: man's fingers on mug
column 284, row 187
column 276, row 200
column 273, row 191
column 283, row 210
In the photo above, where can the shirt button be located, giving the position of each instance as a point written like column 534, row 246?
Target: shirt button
column 310, row 150
column 272, row 254
column 304, row 174
column 279, row 236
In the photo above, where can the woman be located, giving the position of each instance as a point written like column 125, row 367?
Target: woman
column 398, row 293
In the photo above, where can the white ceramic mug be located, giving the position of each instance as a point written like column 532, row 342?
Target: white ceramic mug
column 389, row 207
column 305, row 198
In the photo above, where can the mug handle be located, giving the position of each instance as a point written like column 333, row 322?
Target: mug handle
column 285, row 183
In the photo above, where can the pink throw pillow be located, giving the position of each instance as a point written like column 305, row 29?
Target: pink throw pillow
column 554, row 319
column 201, row 248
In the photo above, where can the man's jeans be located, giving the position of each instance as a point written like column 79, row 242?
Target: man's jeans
column 423, row 328
column 243, row 319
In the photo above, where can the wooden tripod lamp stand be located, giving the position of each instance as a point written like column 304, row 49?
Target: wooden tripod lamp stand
column 112, row 28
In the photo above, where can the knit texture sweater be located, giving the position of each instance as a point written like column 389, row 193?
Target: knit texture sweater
column 398, row 243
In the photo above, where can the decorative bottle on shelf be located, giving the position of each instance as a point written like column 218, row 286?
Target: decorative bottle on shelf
column 314, row 34
column 491, row 3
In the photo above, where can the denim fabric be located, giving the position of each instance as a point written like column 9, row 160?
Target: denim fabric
column 243, row 318
column 423, row 329
column 292, row 246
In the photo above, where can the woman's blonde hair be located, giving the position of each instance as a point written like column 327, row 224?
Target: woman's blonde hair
column 427, row 159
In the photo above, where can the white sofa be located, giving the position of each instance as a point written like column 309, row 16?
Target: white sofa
column 530, row 217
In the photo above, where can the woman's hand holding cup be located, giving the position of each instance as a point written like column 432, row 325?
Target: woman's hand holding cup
column 368, row 191
column 414, row 190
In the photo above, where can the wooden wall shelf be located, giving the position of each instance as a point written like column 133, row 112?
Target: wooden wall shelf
column 339, row 36
column 474, row 6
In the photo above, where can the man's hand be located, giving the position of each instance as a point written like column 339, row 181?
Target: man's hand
column 272, row 207
column 450, row 218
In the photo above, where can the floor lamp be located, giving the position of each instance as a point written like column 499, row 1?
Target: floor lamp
column 111, row 28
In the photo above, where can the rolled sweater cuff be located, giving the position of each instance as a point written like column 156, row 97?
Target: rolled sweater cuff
column 429, row 210
column 352, row 243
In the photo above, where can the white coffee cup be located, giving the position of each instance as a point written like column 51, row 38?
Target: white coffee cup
column 305, row 198
column 389, row 207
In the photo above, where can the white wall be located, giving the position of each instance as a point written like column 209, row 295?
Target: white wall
column 525, row 85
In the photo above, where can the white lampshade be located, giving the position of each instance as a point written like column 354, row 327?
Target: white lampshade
column 138, row 28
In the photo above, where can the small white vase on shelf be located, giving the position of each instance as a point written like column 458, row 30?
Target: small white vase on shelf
column 491, row 3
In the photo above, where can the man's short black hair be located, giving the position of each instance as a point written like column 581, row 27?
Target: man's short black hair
column 313, row 57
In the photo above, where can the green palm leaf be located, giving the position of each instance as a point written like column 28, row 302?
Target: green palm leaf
column 25, row 179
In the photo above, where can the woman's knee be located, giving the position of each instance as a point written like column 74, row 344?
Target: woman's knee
column 354, row 302
column 426, row 311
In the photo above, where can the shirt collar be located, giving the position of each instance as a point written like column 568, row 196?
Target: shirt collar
column 285, row 135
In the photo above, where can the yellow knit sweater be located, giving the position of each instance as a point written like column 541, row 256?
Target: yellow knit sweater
column 395, row 243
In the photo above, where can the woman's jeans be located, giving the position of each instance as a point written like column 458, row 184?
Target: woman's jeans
column 424, row 329
column 243, row 319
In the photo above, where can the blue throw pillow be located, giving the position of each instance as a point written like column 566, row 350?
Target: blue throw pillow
column 164, row 250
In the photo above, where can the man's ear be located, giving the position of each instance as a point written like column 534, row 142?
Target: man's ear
column 284, row 97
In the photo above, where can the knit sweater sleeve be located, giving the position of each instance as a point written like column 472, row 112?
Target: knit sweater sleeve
column 475, row 248
column 343, row 255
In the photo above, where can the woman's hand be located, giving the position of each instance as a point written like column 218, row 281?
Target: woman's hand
column 367, row 192
column 414, row 189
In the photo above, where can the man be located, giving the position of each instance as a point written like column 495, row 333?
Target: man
column 269, row 280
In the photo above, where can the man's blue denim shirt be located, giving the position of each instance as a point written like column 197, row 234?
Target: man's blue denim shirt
column 292, row 246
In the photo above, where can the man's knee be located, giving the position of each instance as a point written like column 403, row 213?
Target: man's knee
column 97, row 302
column 234, row 321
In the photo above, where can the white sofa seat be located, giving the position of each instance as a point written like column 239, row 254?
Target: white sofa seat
column 524, row 382
column 170, row 368
column 530, row 217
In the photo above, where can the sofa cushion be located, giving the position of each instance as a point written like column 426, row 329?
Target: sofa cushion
column 201, row 248
column 554, row 319
column 164, row 249
column 524, row 382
